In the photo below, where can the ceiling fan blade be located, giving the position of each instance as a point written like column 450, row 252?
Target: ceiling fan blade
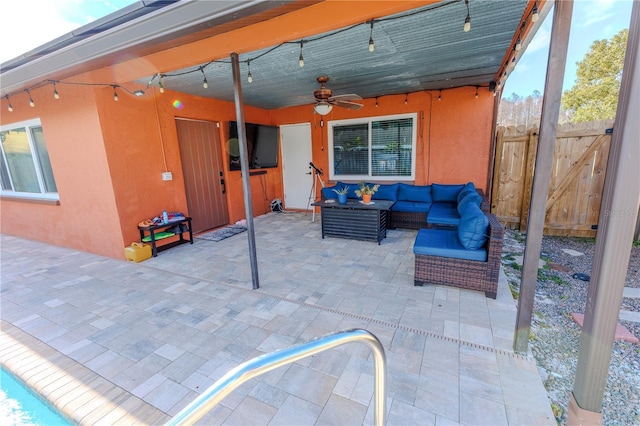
column 347, row 97
column 349, row 105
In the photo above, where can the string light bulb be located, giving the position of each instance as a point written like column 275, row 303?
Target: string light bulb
column 31, row 103
column 205, row 83
column 534, row 14
column 115, row 94
column 519, row 44
column 512, row 64
column 9, row 106
column 301, row 58
column 440, row 95
column 249, row 76
column 467, row 20
column 376, row 102
column 406, row 98
column 476, row 92
column 372, row 45
column 161, row 84
column 56, row 95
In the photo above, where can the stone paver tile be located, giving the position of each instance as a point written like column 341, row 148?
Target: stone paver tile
column 475, row 409
column 402, row 386
column 521, row 416
column 438, row 392
column 294, row 411
column 166, row 395
column 402, row 414
column 198, row 382
column 342, row 411
column 109, row 364
column 313, row 386
column 250, row 411
column 481, row 383
column 149, row 385
column 475, row 334
column 169, row 351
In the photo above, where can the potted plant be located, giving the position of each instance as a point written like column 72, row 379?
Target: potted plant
column 342, row 194
column 365, row 191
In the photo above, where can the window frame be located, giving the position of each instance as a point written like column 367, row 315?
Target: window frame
column 369, row 121
column 28, row 125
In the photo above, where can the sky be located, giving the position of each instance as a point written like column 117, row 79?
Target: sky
column 592, row 20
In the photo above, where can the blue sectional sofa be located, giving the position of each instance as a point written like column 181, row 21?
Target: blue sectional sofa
column 419, row 206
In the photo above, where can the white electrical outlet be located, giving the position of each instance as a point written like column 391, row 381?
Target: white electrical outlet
column 167, row 176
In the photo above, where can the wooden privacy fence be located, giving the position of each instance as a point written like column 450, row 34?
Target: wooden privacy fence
column 577, row 178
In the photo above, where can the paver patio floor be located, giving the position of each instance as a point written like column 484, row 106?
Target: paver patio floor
column 114, row 342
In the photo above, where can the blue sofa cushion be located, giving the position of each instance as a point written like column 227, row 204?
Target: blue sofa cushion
column 416, row 193
column 470, row 198
column 472, row 228
column 466, row 190
column 446, row 193
column 411, row 207
column 329, row 192
column 445, row 243
column 386, row 192
column 352, row 189
column 443, row 214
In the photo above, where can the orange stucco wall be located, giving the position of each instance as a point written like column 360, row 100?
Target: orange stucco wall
column 86, row 216
column 108, row 156
column 454, row 133
column 138, row 144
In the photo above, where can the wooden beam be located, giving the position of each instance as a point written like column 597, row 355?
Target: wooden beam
column 618, row 215
column 542, row 177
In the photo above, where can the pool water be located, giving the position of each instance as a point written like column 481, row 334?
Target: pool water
column 20, row 406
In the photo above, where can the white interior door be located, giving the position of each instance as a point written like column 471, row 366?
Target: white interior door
column 295, row 143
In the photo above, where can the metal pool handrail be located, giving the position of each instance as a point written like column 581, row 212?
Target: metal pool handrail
column 267, row 362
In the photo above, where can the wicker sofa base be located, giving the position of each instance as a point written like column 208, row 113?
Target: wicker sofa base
column 407, row 220
column 459, row 273
column 462, row 273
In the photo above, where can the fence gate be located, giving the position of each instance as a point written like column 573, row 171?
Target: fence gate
column 577, row 179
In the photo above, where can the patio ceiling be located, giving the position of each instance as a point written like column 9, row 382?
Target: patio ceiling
column 420, row 49
column 417, row 50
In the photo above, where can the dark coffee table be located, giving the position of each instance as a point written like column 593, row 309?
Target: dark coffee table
column 355, row 219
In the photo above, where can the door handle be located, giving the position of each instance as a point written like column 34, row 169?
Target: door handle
column 224, row 188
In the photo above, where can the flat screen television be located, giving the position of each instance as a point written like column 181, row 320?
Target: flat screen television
column 262, row 146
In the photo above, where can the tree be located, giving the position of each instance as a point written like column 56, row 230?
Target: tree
column 594, row 96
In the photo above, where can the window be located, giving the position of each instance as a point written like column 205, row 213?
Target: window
column 25, row 168
column 380, row 148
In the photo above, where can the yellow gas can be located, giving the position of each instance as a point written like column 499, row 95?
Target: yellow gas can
column 137, row 252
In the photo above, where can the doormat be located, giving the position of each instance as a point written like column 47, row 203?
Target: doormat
column 221, row 234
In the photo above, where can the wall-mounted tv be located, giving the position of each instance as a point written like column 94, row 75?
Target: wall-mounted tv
column 262, row 146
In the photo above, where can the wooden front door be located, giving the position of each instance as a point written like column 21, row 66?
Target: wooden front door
column 201, row 154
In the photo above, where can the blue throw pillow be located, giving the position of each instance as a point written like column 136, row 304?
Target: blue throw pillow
column 467, row 189
column 446, row 193
column 415, row 193
column 352, row 188
column 328, row 192
column 470, row 198
column 472, row 228
column 386, row 192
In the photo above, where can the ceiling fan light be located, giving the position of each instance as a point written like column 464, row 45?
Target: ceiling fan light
column 323, row 108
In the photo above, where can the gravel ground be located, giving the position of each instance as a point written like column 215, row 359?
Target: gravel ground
column 555, row 339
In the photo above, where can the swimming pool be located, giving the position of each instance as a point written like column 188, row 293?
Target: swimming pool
column 20, row 406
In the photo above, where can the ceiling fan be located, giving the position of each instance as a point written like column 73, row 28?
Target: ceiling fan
column 325, row 101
